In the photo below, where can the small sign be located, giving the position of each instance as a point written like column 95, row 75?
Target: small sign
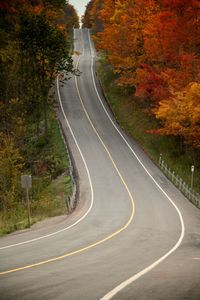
column 26, row 181
column 192, row 168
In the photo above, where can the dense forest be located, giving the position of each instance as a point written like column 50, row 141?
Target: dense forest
column 36, row 42
column 154, row 48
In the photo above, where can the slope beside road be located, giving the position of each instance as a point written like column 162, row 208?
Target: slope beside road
column 133, row 234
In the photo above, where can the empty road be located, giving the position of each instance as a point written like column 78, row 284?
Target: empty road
column 132, row 236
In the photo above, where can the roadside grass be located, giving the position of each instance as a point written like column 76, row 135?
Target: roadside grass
column 132, row 118
column 48, row 164
column 52, row 199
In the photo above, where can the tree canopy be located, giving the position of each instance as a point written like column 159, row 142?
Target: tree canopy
column 35, row 47
column 154, row 47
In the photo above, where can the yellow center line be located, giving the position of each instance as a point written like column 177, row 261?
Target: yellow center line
column 102, row 240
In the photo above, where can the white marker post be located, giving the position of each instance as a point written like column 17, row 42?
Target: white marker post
column 26, row 182
column 192, row 176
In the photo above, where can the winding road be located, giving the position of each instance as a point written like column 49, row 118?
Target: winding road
column 132, row 236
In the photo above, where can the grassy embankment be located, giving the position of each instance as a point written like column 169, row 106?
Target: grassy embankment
column 51, row 185
column 132, row 118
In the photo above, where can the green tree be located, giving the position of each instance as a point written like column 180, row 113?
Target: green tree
column 46, row 50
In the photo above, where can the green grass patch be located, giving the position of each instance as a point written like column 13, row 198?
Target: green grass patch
column 132, row 118
column 52, row 199
column 47, row 161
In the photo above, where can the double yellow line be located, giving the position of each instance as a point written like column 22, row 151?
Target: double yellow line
column 54, row 259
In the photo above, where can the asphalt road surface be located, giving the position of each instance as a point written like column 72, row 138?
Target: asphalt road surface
column 133, row 235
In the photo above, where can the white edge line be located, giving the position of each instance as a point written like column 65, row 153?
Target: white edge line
column 89, row 178
column 149, row 268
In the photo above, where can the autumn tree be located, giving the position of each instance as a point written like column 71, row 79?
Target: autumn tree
column 91, row 18
column 171, row 43
column 34, row 49
column 71, row 18
column 122, row 38
column 180, row 115
column 153, row 46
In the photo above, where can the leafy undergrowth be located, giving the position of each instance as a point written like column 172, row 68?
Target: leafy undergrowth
column 47, row 162
column 132, row 118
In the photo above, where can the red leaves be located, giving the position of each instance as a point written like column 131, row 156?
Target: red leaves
column 151, row 84
column 154, row 46
column 175, row 4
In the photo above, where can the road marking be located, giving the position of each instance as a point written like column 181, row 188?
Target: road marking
column 118, row 172
column 90, row 183
column 70, row 253
column 121, row 286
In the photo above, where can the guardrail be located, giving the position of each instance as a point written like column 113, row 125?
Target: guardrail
column 180, row 183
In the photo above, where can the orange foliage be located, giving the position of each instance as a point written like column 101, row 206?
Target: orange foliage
column 155, row 47
column 64, row 17
column 92, row 19
column 37, row 10
column 180, row 114
column 122, row 37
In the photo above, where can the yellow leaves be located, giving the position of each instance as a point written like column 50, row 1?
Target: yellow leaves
column 193, row 97
column 180, row 114
column 194, row 89
column 183, row 104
